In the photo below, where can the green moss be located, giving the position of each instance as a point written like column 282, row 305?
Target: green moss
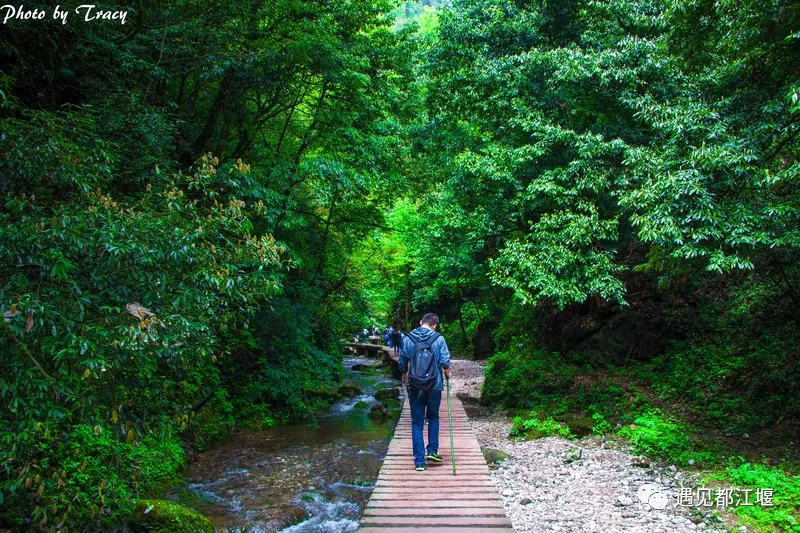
column 162, row 516
column 327, row 394
column 391, row 404
column 493, row 456
column 349, row 391
column 387, row 394
column 361, row 405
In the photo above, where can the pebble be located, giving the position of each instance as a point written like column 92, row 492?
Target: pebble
column 625, row 501
column 597, row 493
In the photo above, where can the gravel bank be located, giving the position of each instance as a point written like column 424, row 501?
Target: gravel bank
column 554, row 484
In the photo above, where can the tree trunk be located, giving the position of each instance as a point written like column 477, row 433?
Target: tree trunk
column 460, row 316
column 201, row 143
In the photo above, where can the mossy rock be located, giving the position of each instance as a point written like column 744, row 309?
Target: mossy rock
column 387, row 394
column 330, row 394
column 578, row 424
column 349, row 391
column 391, row 403
column 378, row 411
column 163, row 516
column 361, row 404
column 493, row 456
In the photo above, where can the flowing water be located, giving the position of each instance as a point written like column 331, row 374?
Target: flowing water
column 301, row 478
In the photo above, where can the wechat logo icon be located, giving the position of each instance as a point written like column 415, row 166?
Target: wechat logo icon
column 651, row 495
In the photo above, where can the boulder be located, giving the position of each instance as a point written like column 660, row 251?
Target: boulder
column 573, row 454
column 391, row 403
column 378, row 410
column 387, row 394
column 163, row 516
column 348, row 391
column 493, row 456
column 330, row 394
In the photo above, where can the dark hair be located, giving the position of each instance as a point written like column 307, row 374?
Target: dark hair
column 430, row 319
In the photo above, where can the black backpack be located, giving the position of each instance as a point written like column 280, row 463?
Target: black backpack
column 422, row 371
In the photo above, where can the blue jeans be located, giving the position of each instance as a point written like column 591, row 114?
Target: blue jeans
column 424, row 404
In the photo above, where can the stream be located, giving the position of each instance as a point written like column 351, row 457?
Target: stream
column 301, row 478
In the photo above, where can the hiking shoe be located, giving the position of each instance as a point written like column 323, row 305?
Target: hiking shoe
column 420, row 468
column 434, row 457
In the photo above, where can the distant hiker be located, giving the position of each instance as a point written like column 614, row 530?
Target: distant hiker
column 397, row 340
column 423, row 355
column 387, row 335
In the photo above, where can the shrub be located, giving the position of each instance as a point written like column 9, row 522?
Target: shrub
column 88, row 476
column 601, row 426
column 520, row 377
column 783, row 516
column 537, row 427
column 656, row 435
column 734, row 383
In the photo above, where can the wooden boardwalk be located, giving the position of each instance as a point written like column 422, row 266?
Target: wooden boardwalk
column 435, row 500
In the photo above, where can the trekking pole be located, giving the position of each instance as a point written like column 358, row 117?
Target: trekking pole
column 450, row 420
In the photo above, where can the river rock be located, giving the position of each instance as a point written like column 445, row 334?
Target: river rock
column 378, row 410
column 573, row 454
column 493, row 456
column 349, row 391
column 391, row 403
column 330, row 394
column 387, row 394
column 163, row 516
column 359, row 368
column 624, row 501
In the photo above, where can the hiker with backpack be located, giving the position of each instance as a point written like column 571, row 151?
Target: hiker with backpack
column 425, row 364
column 387, row 335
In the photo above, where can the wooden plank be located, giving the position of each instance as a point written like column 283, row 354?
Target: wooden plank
column 435, row 500
column 437, row 511
column 436, row 530
column 412, row 521
column 438, row 481
column 438, row 496
column 446, row 504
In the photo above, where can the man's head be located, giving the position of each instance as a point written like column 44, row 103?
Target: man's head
column 430, row 321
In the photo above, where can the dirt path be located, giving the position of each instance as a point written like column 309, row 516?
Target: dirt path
column 555, row 484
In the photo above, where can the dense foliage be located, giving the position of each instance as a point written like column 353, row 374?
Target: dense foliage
column 604, row 195
column 181, row 196
column 610, row 205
